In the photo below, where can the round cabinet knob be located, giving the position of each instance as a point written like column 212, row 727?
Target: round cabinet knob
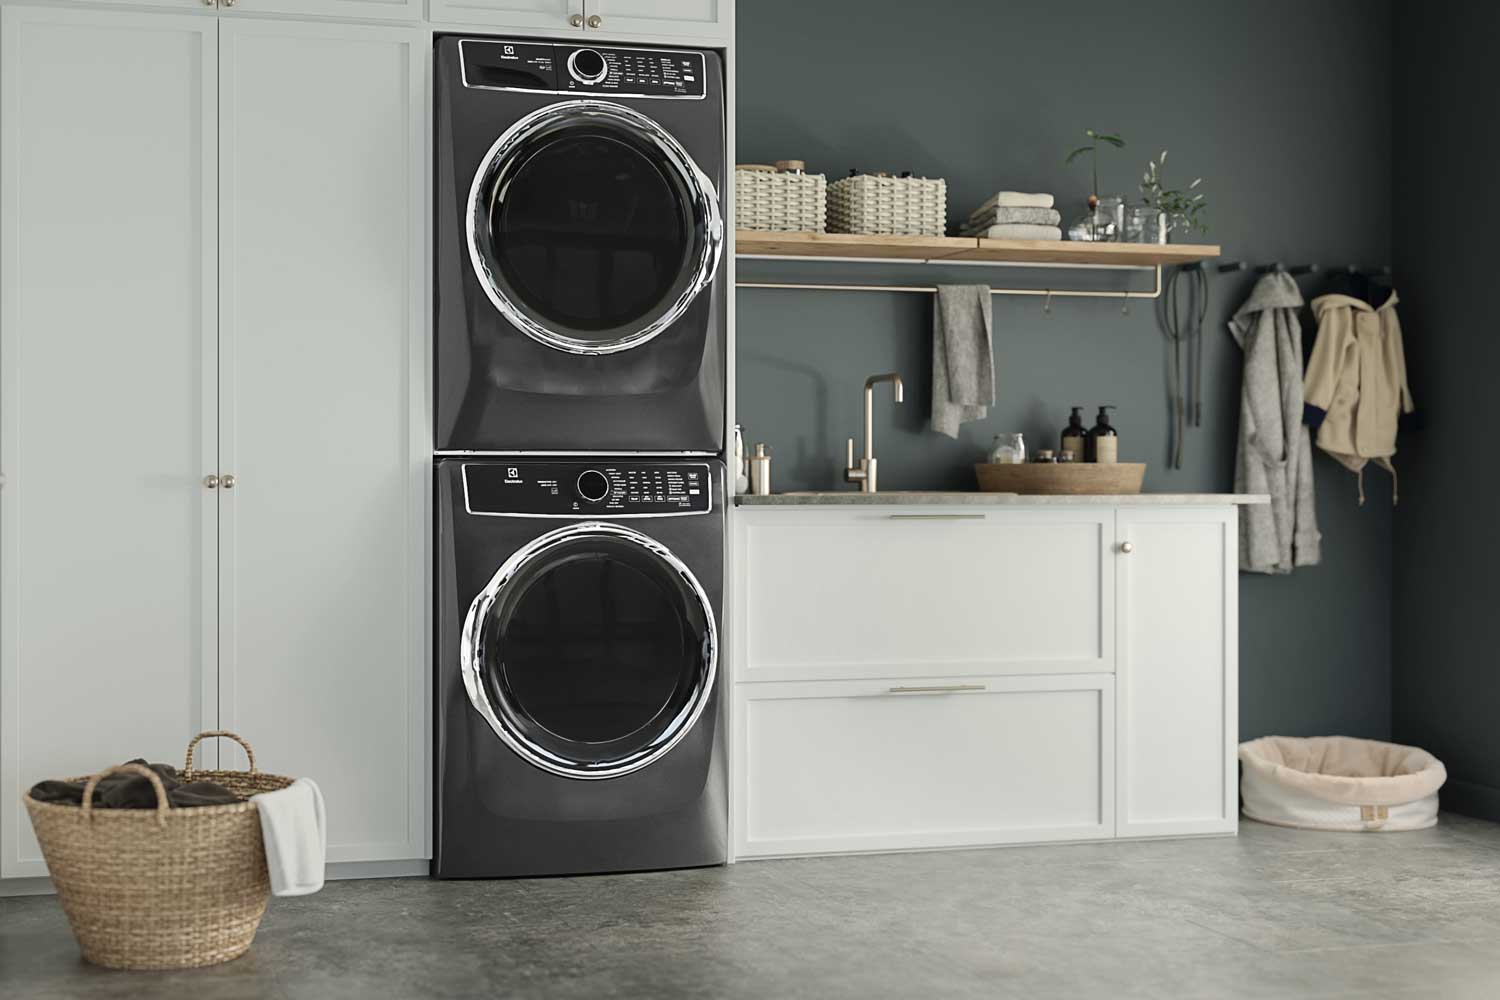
column 587, row 66
column 576, row 20
column 1127, row 547
column 593, row 486
column 595, row 21
column 229, row 3
column 227, row 482
column 211, row 482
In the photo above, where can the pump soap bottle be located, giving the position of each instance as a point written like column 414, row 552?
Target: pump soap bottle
column 1075, row 437
column 1104, row 441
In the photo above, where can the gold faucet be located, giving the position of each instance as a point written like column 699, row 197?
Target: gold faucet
column 864, row 472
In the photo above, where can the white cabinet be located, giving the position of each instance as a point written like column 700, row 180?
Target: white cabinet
column 837, row 766
column 322, row 541
column 550, row 15
column 211, row 264
column 107, row 395
column 373, row 10
column 909, row 677
column 836, row 593
column 702, row 18
column 1177, row 672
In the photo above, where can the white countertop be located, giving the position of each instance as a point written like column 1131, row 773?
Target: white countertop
column 898, row 498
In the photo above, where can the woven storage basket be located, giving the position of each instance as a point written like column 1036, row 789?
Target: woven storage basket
column 901, row 206
column 767, row 199
column 165, row 888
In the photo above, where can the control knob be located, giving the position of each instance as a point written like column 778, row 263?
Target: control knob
column 593, row 486
column 587, row 66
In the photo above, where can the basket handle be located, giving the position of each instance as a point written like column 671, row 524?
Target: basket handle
column 187, row 768
column 162, row 805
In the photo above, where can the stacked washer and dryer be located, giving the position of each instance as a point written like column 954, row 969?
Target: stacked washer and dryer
column 580, row 411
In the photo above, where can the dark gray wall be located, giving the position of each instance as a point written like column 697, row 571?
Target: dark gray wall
column 1282, row 107
column 1447, row 682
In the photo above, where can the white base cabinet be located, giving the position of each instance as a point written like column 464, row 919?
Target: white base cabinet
column 906, row 678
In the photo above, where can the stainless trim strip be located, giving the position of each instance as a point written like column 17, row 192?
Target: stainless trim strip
column 592, row 514
column 705, row 205
column 938, row 689
column 472, row 653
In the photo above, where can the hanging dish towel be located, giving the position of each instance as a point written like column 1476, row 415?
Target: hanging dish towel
column 295, row 830
column 963, row 356
column 1274, row 454
column 1356, row 383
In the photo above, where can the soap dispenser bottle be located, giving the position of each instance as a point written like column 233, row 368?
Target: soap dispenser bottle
column 1075, row 437
column 1104, row 440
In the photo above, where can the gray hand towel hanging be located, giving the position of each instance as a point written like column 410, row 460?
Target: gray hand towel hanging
column 963, row 356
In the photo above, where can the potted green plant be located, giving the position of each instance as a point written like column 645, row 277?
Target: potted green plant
column 1106, row 215
column 1166, row 209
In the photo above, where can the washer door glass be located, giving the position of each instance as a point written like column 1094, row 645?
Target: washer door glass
column 592, row 652
column 590, row 227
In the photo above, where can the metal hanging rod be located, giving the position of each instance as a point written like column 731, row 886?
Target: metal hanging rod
column 944, row 262
column 1050, row 293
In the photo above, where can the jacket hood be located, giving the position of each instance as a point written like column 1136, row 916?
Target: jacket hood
column 1277, row 290
column 1323, row 302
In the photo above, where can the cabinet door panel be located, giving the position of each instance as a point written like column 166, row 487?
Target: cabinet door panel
column 1177, row 676
column 388, row 10
column 323, row 540
column 107, row 188
column 703, row 18
column 872, row 766
column 551, row 15
column 835, row 593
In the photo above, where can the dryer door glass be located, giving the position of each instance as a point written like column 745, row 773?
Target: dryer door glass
column 593, row 651
column 590, row 228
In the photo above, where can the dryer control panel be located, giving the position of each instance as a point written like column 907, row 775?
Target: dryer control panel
column 542, row 68
column 587, row 489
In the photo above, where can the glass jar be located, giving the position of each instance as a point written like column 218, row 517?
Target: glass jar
column 1144, row 224
column 1104, row 223
column 1009, row 449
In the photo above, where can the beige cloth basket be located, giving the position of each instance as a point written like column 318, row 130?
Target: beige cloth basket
column 163, row 889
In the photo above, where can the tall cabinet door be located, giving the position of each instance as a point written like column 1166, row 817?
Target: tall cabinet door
column 107, row 361
column 703, row 18
column 323, row 539
column 1176, row 675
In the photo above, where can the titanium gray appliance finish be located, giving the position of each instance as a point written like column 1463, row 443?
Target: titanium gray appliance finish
column 578, row 691
column 580, row 292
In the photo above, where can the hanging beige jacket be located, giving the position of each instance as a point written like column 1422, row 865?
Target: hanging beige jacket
column 1355, row 388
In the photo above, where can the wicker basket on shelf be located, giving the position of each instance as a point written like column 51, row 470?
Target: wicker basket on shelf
column 160, row 888
column 772, row 200
column 884, row 205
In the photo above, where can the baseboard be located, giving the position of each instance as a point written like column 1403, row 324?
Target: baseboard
column 419, row 868
column 1470, row 799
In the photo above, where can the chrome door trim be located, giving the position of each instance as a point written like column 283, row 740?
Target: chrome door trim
column 472, row 653
column 705, row 204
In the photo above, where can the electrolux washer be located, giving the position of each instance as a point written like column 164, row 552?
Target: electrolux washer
column 578, row 691
column 580, row 292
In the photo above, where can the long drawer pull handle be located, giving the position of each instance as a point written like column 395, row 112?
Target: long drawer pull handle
column 936, row 517
column 938, row 689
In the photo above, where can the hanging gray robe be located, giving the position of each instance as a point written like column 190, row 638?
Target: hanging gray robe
column 1275, row 449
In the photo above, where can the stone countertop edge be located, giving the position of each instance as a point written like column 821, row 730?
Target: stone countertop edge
column 976, row 499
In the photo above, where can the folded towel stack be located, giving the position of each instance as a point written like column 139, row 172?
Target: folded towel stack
column 1015, row 215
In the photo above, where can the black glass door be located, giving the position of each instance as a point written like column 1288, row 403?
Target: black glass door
column 595, row 653
column 591, row 229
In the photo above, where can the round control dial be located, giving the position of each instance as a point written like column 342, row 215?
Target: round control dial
column 593, row 486
column 587, row 66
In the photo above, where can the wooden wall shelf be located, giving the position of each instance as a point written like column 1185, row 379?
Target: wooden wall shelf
column 753, row 243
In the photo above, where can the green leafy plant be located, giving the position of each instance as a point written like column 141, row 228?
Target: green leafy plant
column 1095, row 137
column 1183, row 207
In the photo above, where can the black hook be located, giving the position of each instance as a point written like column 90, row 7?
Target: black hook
column 1232, row 265
column 1304, row 269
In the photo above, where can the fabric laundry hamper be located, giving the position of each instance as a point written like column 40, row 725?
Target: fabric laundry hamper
column 160, row 888
column 1340, row 783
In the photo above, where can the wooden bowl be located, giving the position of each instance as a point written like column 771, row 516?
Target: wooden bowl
column 1065, row 479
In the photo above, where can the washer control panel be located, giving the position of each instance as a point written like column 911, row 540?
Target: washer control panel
column 539, row 67
column 583, row 489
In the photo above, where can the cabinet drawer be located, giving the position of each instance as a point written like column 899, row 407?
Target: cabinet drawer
column 908, row 593
column 837, row 766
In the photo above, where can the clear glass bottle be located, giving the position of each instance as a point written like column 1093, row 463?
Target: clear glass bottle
column 1009, row 449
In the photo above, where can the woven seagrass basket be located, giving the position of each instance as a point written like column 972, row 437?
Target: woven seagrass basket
column 164, row 888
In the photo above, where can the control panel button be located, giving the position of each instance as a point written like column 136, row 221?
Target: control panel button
column 587, row 66
column 593, row 486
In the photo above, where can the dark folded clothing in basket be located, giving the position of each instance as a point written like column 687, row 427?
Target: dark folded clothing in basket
column 132, row 791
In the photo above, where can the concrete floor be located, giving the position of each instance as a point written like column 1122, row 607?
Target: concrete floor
column 1274, row 913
